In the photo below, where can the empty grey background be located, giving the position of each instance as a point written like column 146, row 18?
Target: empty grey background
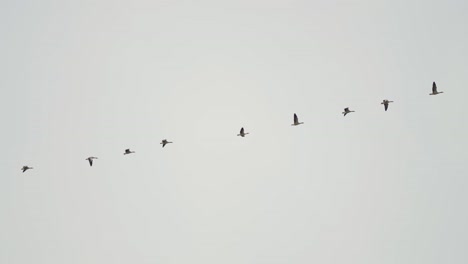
column 82, row 78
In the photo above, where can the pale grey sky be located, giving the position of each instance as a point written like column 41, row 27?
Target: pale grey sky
column 82, row 78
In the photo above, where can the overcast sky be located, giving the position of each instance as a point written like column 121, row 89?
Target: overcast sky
column 92, row 78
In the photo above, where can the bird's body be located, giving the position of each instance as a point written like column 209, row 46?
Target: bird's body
column 434, row 89
column 347, row 111
column 25, row 168
column 385, row 103
column 128, row 151
column 164, row 142
column 90, row 160
column 242, row 133
column 296, row 121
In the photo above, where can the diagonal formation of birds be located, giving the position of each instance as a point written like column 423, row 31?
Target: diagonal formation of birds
column 242, row 132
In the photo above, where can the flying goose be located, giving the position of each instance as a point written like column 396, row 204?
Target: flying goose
column 127, row 151
column 347, row 111
column 90, row 159
column 296, row 121
column 434, row 89
column 164, row 142
column 385, row 103
column 25, row 168
column 242, row 133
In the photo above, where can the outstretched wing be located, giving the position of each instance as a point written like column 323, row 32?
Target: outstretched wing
column 434, row 87
column 296, row 120
column 386, row 106
column 346, row 109
column 90, row 162
column 242, row 131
